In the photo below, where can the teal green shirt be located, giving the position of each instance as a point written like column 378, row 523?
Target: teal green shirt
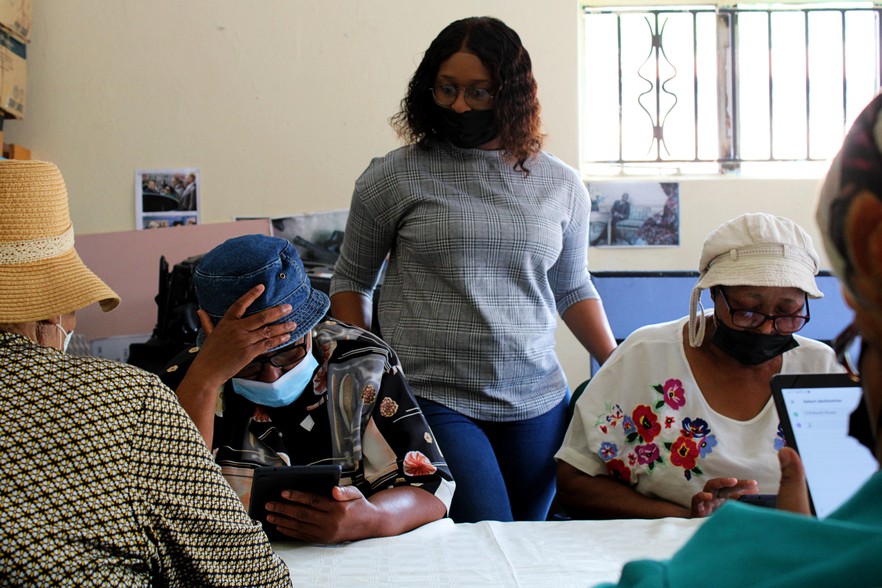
column 742, row 545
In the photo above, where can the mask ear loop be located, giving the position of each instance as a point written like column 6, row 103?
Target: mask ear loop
column 696, row 319
column 65, row 336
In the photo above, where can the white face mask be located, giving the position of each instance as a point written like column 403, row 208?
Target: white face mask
column 65, row 337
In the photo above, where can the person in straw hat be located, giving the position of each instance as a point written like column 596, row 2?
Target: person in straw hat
column 743, row 546
column 681, row 418
column 106, row 481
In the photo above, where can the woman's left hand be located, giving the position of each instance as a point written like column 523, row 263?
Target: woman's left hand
column 346, row 515
column 717, row 491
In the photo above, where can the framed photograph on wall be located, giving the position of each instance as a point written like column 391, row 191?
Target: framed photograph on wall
column 167, row 197
column 634, row 214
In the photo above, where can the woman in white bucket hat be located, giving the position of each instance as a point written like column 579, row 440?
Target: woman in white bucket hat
column 106, row 480
column 681, row 418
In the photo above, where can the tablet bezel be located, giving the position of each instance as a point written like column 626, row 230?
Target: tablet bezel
column 781, row 382
column 268, row 483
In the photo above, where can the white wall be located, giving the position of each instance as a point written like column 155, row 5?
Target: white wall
column 282, row 103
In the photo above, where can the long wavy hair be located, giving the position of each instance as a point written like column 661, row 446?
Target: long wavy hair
column 516, row 104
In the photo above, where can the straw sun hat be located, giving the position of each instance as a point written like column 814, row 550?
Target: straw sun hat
column 41, row 275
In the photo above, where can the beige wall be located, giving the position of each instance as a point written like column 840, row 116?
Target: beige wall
column 282, row 103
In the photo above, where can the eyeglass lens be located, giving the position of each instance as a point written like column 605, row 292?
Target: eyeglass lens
column 783, row 323
column 281, row 359
column 446, row 95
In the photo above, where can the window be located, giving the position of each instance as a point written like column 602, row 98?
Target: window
column 706, row 89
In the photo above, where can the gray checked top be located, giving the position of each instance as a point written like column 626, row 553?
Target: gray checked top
column 481, row 258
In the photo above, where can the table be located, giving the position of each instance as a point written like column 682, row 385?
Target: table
column 558, row 554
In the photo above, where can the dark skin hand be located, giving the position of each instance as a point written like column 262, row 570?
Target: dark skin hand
column 229, row 346
column 349, row 516
column 603, row 497
column 793, row 493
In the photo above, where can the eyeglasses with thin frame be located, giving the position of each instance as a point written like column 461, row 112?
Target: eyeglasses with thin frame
column 848, row 346
column 750, row 319
column 475, row 98
column 281, row 359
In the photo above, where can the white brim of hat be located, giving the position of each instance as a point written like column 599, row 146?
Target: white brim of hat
column 769, row 271
column 45, row 289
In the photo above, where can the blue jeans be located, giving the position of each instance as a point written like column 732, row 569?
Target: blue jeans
column 503, row 471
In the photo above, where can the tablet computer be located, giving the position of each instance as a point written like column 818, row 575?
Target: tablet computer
column 822, row 417
column 269, row 482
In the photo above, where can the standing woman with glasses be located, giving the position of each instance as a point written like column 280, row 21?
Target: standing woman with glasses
column 681, row 418
column 486, row 237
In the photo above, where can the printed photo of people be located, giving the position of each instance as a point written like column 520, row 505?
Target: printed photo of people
column 167, row 197
column 634, row 214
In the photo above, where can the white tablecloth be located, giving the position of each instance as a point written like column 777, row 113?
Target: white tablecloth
column 560, row 554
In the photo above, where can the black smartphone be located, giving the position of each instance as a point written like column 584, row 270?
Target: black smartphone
column 269, row 482
column 767, row 500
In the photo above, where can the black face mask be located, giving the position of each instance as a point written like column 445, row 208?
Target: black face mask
column 469, row 129
column 750, row 347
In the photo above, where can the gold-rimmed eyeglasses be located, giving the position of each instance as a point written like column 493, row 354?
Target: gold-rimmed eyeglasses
column 783, row 323
column 475, row 98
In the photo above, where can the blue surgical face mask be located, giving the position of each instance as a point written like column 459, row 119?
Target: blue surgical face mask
column 66, row 337
column 283, row 391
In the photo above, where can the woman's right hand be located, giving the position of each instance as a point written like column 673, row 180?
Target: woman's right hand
column 229, row 346
column 717, row 491
column 235, row 341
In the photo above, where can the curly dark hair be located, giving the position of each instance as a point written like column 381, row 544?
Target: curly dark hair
column 516, row 103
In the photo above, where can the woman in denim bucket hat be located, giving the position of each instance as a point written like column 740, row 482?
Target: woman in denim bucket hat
column 271, row 385
column 245, row 262
column 695, row 425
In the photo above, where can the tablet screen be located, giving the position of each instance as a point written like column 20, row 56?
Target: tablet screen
column 823, row 415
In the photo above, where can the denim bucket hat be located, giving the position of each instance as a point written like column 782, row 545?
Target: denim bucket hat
column 235, row 266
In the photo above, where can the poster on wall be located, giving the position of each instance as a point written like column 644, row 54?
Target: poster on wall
column 167, row 197
column 634, row 214
column 316, row 235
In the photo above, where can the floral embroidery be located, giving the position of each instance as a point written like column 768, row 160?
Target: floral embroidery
column 369, row 394
column 672, row 393
column 628, row 426
column 608, row 451
column 684, row 453
column 618, row 470
column 614, row 418
column 647, row 424
column 417, row 464
column 706, row 445
column 648, row 455
column 644, row 431
column 695, row 429
column 780, row 442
